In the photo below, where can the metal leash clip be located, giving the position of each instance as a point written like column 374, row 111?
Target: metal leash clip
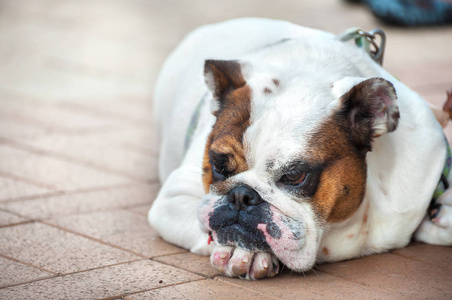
column 367, row 41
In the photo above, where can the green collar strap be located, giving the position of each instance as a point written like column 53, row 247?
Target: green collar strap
column 443, row 184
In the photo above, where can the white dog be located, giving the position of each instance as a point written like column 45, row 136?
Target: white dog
column 281, row 143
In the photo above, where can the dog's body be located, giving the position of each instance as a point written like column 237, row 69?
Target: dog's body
column 303, row 150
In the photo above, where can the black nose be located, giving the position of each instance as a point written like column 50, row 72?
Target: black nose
column 243, row 197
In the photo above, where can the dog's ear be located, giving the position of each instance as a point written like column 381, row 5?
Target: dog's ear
column 370, row 110
column 222, row 76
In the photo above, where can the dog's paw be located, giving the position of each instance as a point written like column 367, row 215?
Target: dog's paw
column 236, row 262
column 436, row 228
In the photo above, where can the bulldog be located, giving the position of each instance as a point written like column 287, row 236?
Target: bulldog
column 283, row 144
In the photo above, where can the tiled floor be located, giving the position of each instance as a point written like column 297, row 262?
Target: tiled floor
column 78, row 161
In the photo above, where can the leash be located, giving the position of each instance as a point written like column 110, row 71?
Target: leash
column 367, row 41
column 443, row 183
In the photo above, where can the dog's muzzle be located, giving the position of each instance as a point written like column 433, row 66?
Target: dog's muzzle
column 236, row 218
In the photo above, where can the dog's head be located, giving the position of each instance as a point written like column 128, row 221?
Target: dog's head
column 287, row 156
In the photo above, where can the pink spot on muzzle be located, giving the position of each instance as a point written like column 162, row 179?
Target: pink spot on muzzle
column 287, row 248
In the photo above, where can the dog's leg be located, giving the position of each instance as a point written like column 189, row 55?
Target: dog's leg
column 436, row 228
column 174, row 212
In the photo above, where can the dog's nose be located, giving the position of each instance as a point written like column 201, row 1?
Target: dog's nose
column 243, row 197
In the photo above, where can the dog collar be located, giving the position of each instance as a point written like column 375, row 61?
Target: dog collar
column 193, row 123
column 443, row 183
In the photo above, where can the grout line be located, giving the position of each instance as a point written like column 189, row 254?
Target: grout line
column 28, row 281
column 100, row 267
column 73, row 192
column 70, row 106
column 139, row 149
column 17, row 224
column 421, row 261
column 109, row 114
column 27, row 264
column 169, row 254
column 179, row 267
column 151, row 289
column 32, row 197
column 72, row 160
column 50, row 128
column 28, row 181
column 67, row 274
column 31, row 122
column 87, row 212
column 242, row 287
column 17, row 215
column 358, row 283
column 55, row 217
column 95, row 239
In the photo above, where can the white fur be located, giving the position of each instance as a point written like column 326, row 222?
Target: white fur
column 313, row 70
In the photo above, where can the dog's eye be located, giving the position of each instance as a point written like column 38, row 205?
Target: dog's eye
column 294, row 178
column 218, row 173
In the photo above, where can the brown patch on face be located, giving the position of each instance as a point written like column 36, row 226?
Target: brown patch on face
column 276, row 82
column 226, row 137
column 342, row 183
column 267, row 91
column 325, row 251
column 350, row 236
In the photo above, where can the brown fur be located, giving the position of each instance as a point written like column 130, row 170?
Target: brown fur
column 227, row 133
column 342, row 184
column 227, row 75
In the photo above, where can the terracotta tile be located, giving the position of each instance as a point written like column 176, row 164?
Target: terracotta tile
column 49, row 114
column 10, row 127
column 141, row 140
column 9, row 219
column 111, row 281
column 121, row 228
column 123, row 108
column 16, row 273
column 140, row 209
column 105, row 199
column 310, row 285
column 203, row 289
column 429, row 254
column 190, row 262
column 395, row 274
column 10, row 189
column 56, row 250
column 95, row 150
column 57, row 173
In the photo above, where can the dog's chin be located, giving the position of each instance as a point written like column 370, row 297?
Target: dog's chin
column 293, row 242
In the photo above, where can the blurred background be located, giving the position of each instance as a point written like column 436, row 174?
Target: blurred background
column 80, row 50
column 78, row 159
